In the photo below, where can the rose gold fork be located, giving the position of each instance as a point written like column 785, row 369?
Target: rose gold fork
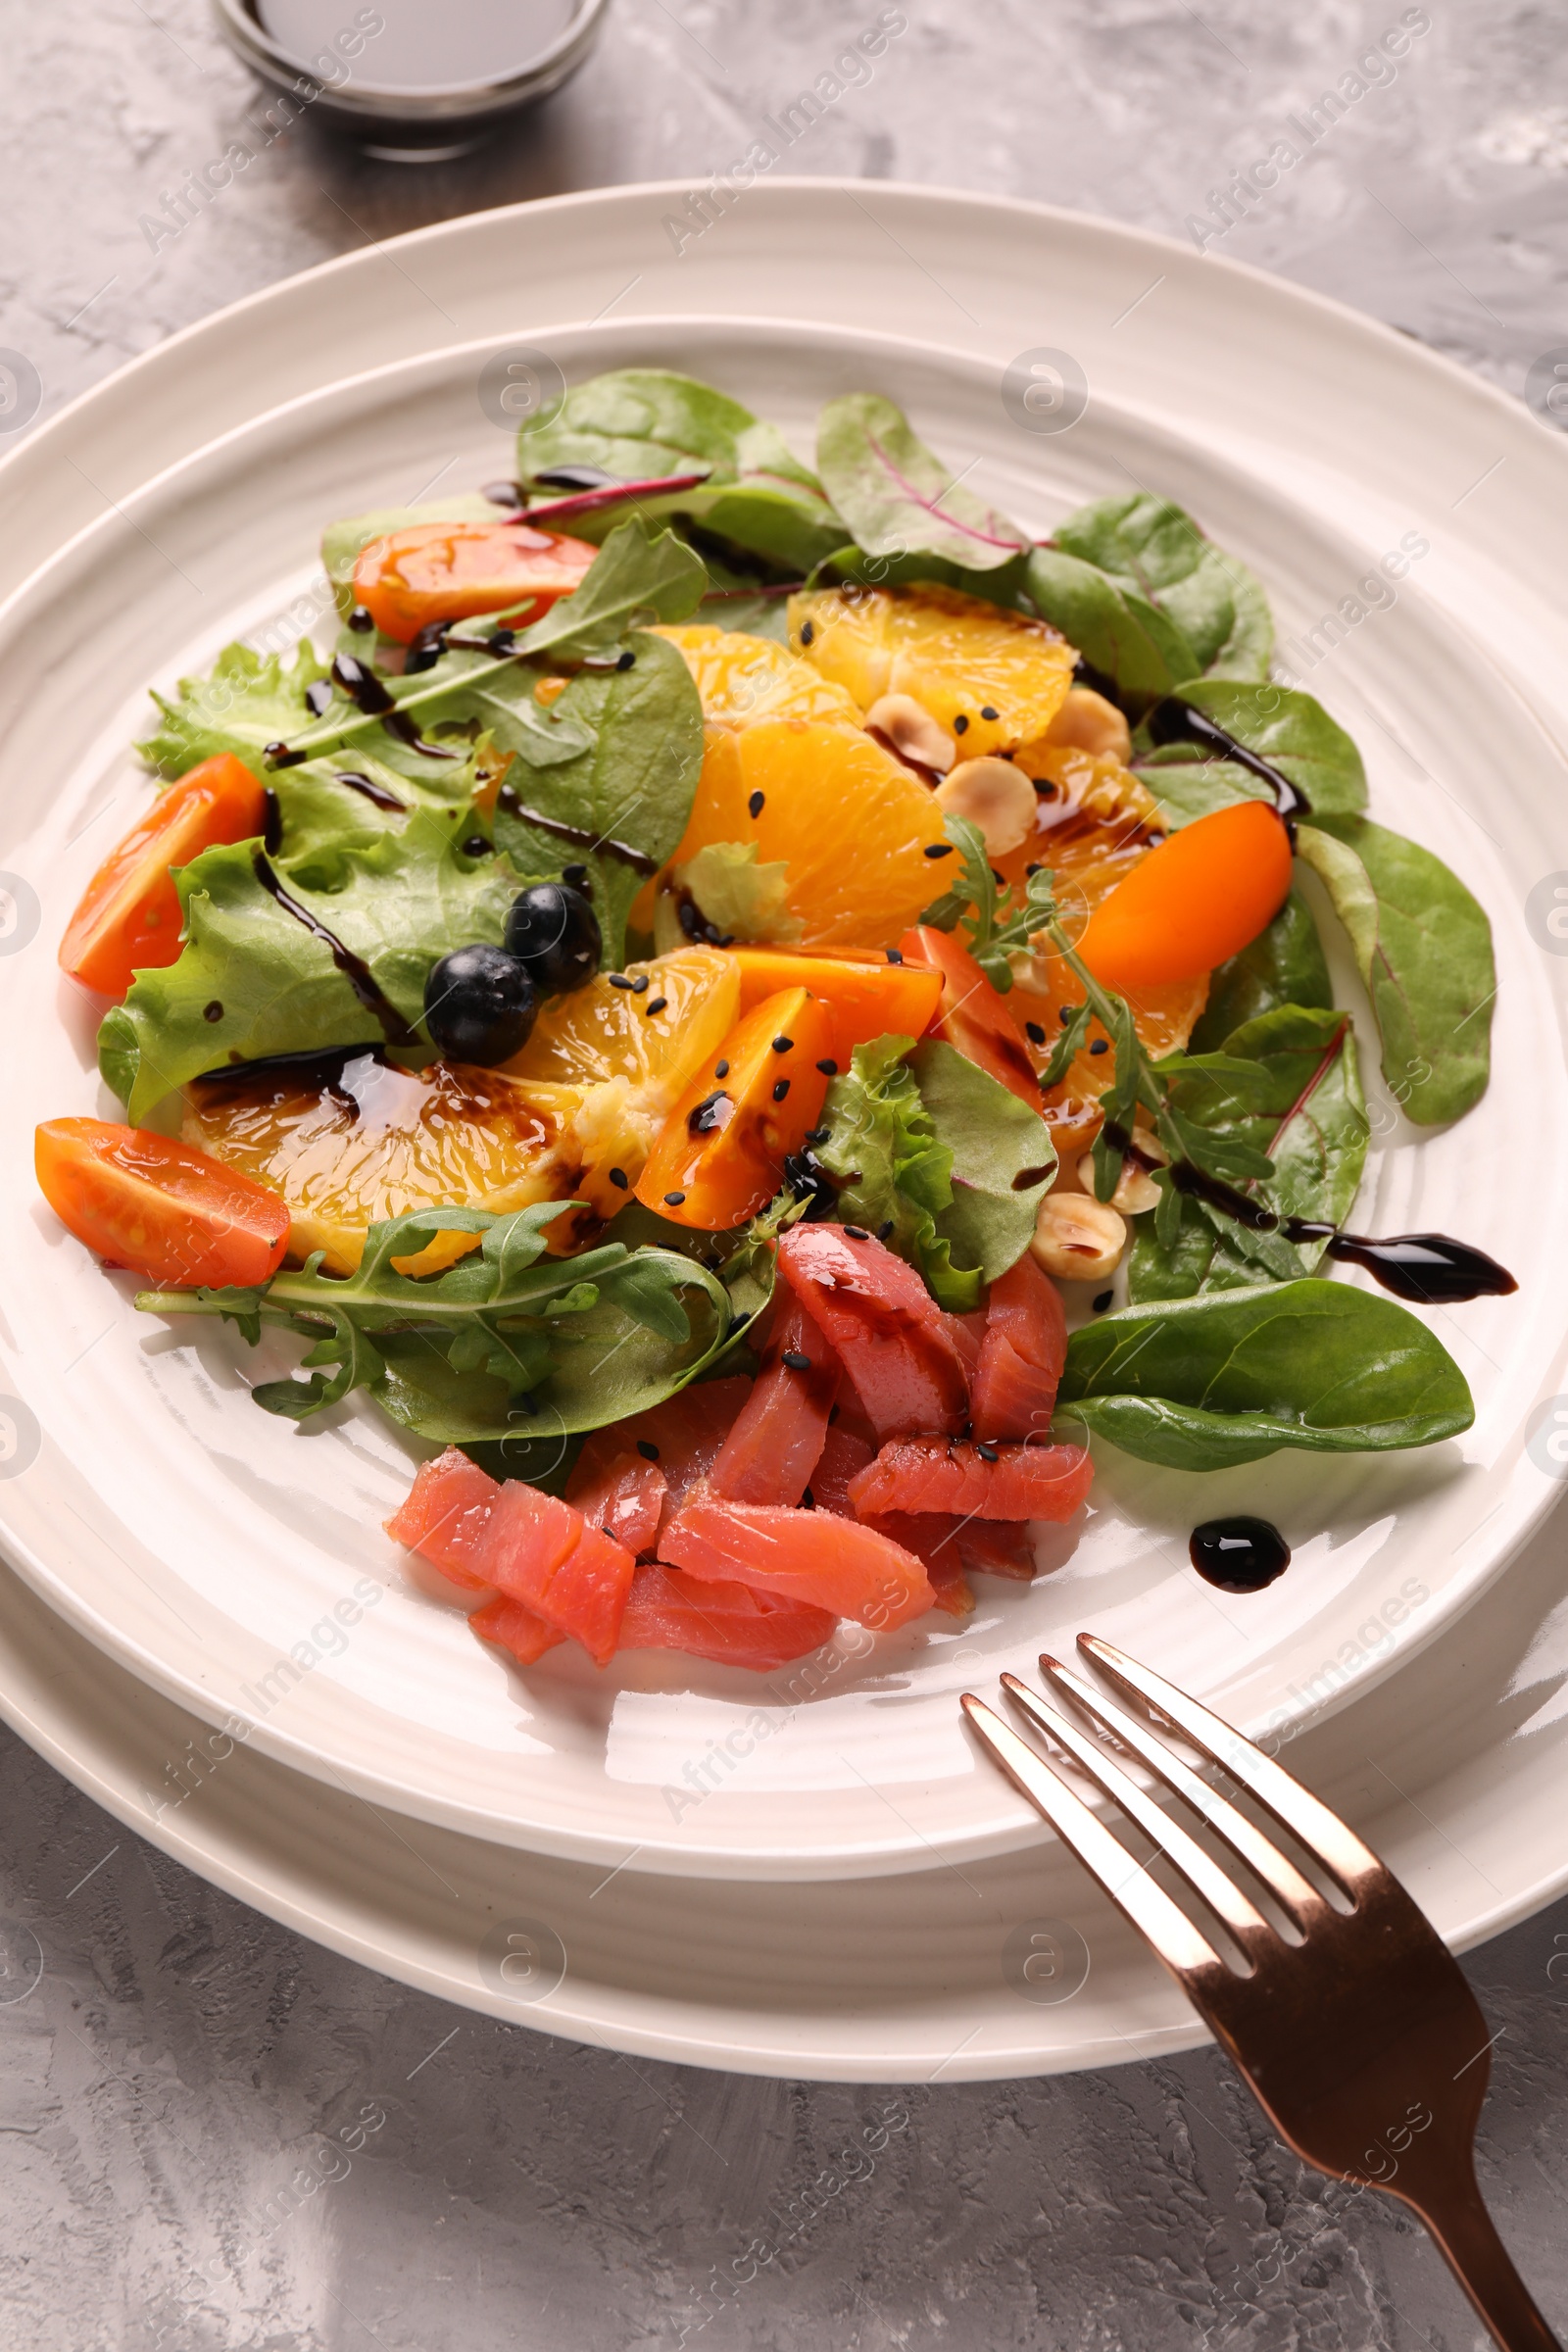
column 1362, row 2043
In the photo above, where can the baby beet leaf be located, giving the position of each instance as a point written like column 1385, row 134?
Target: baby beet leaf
column 897, row 496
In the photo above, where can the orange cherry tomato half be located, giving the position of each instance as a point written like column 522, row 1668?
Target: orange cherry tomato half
column 129, row 920
column 451, row 570
column 867, row 996
column 719, row 1156
column 1200, row 897
column 973, row 1015
column 159, row 1207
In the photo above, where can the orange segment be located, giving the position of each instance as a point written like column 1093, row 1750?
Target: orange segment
column 866, row 995
column 957, row 656
column 721, row 1155
column 739, row 677
column 372, row 1142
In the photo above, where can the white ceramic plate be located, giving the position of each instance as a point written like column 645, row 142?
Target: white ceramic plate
column 203, row 1544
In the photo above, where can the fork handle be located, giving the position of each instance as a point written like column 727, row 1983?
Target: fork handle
column 1478, row 2258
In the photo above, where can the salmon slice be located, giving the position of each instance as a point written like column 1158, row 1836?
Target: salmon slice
column 998, row 1548
column 932, row 1537
column 729, row 1624
column 843, row 1452
column 539, row 1551
column 513, row 1628
column 1004, row 1481
column 444, row 1516
column 773, row 1448
column 883, row 1323
column 1024, row 1346
column 683, row 1434
column 614, row 1488
column 967, row 1334
column 814, row 1556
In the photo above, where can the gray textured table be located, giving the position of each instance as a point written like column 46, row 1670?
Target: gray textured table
column 168, row 2077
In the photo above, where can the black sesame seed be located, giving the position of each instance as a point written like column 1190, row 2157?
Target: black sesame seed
column 1035, row 1034
column 939, row 849
column 618, row 980
column 795, row 1360
column 783, row 1044
column 1102, row 1300
column 626, row 661
column 673, row 1199
column 960, row 725
column 988, row 1453
column 639, row 987
column 212, row 1012
column 574, row 877
column 808, row 631
column 856, row 1233
column 722, row 1069
column 780, row 1090
column 808, row 1501
column 1036, row 869
column 829, row 1068
column 1064, row 1016
column 619, row 1179
column 657, row 1006
column 894, row 955
column 989, row 710
column 817, row 1135
column 755, row 803
column 1102, row 1044
column 884, row 1231
column 648, row 1449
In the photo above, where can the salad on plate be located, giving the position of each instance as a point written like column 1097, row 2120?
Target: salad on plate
column 754, row 1012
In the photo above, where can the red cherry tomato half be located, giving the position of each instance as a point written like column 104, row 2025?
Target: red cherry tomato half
column 971, row 1016
column 1200, row 897
column 129, row 920
column 451, row 570
column 156, row 1206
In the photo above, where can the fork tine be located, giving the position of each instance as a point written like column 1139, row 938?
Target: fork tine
column 1189, row 1957
column 1321, row 1832
column 1200, row 1871
column 1298, row 1895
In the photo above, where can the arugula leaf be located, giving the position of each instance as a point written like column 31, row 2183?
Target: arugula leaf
column 895, row 1175
column 1289, row 729
column 639, row 423
column 1300, row 1108
column 1002, row 1157
column 505, row 1344
column 343, row 543
column 999, row 921
column 897, row 496
column 1202, row 1384
column 399, row 901
column 741, row 898
column 1128, row 641
column 624, row 797
column 1284, row 965
column 249, row 701
column 1423, row 946
column 1149, row 547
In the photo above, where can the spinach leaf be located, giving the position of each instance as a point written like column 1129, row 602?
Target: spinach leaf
column 249, row 701
column 1284, row 966
column 641, row 424
column 1423, row 947
column 1300, row 1107
column 505, row 1344
column 897, row 496
column 1151, row 548
column 620, row 805
column 343, row 543
column 896, row 1177
column 399, row 901
column 1121, row 635
column 1284, row 726
column 1202, row 1384
column 1002, row 1158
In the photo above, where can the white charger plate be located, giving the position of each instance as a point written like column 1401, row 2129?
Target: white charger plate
column 202, row 1544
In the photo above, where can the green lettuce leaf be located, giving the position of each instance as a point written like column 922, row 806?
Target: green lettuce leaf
column 1288, row 1086
column 249, row 701
column 1002, row 1158
column 740, row 896
column 1203, row 1384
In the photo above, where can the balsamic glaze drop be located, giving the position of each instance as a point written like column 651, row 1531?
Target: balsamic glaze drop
column 1240, row 1554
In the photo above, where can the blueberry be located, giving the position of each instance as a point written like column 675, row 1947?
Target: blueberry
column 554, row 931
column 479, row 1005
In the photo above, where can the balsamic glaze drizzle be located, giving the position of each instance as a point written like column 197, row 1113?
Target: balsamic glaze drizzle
column 354, row 968
column 574, row 836
column 1175, row 721
column 375, row 793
